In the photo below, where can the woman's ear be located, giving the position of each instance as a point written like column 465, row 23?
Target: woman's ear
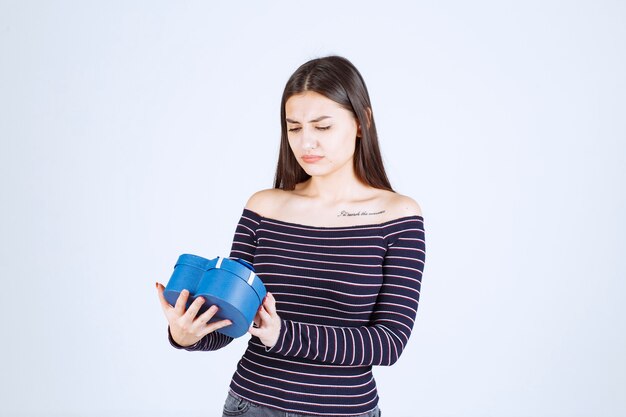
column 369, row 123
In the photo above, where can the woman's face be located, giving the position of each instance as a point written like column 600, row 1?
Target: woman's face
column 322, row 134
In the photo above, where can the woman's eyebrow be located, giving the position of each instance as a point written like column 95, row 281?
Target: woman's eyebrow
column 318, row 119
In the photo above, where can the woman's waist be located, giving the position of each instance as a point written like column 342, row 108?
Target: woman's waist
column 257, row 361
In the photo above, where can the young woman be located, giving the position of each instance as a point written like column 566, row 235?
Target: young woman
column 340, row 253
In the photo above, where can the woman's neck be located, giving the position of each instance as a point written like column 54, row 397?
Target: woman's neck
column 336, row 189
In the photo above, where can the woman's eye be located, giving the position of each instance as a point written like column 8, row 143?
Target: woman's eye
column 297, row 129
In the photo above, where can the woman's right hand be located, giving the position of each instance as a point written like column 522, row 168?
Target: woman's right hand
column 185, row 327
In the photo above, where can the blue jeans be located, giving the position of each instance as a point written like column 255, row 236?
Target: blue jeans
column 237, row 406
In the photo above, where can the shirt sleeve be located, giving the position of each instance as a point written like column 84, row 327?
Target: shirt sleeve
column 244, row 247
column 382, row 341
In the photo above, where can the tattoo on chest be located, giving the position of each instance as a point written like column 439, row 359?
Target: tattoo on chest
column 344, row 213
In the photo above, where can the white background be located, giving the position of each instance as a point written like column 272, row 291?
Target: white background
column 132, row 132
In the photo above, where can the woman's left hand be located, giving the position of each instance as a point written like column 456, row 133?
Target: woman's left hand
column 266, row 324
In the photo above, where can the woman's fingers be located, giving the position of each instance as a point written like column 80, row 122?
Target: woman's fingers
column 270, row 304
column 164, row 304
column 255, row 331
column 269, row 324
column 208, row 315
column 181, row 302
column 216, row 326
column 260, row 319
column 194, row 308
column 264, row 315
column 203, row 320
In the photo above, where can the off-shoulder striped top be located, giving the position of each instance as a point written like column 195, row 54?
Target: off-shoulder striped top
column 347, row 297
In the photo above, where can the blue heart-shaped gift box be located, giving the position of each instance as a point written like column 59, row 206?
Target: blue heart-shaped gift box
column 230, row 284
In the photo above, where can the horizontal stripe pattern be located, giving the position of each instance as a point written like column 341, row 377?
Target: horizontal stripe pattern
column 347, row 298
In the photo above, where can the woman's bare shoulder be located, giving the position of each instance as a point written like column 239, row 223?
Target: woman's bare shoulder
column 264, row 202
column 403, row 206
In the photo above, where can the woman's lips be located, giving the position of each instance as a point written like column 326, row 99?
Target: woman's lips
column 309, row 159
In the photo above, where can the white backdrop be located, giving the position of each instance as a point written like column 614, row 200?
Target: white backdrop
column 132, row 132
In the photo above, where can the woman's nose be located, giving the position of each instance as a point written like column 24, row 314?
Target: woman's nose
column 308, row 140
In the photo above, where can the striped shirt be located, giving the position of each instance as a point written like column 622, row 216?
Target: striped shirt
column 347, row 298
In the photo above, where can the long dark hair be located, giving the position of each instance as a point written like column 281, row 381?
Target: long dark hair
column 337, row 79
